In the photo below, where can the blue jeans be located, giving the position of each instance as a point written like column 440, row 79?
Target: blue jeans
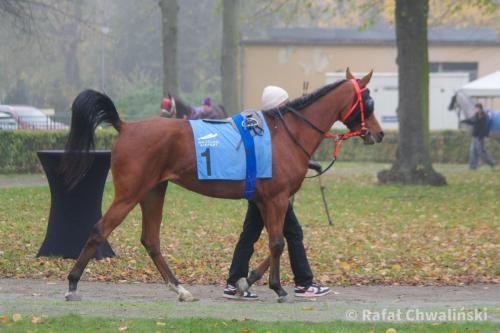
column 477, row 151
column 252, row 228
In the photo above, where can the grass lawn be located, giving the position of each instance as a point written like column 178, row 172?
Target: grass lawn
column 386, row 234
column 74, row 323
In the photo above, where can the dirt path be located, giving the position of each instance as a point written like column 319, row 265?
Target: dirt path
column 15, row 180
column 156, row 301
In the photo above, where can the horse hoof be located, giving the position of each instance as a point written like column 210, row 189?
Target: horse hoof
column 242, row 285
column 283, row 299
column 72, row 296
column 186, row 298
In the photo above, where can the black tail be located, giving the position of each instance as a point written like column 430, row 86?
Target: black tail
column 89, row 109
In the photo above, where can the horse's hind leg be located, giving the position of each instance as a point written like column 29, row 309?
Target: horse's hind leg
column 113, row 217
column 243, row 284
column 256, row 274
column 152, row 207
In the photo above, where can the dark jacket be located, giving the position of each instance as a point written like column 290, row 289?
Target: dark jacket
column 479, row 123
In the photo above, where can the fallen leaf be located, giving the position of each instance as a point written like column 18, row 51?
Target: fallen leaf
column 122, row 328
column 396, row 267
column 17, row 317
column 36, row 320
column 4, row 319
column 245, row 330
column 391, row 330
column 159, row 323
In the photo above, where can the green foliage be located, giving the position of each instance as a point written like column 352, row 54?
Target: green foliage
column 488, row 6
column 446, row 147
column 196, row 97
column 18, row 148
column 141, row 102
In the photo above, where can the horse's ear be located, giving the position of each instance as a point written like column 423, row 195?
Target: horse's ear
column 348, row 74
column 364, row 81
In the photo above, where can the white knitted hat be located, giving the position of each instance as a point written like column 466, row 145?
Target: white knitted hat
column 272, row 97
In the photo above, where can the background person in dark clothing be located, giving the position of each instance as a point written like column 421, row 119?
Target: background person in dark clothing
column 252, row 228
column 480, row 130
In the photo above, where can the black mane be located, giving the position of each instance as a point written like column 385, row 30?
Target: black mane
column 182, row 107
column 308, row 99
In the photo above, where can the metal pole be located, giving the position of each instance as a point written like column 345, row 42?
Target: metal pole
column 322, row 189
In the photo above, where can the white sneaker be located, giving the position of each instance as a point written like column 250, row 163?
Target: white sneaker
column 314, row 290
column 231, row 292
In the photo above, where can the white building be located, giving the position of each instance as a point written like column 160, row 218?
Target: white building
column 384, row 90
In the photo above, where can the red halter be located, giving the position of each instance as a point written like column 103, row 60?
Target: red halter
column 339, row 138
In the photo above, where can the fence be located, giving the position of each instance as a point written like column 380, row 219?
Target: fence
column 39, row 122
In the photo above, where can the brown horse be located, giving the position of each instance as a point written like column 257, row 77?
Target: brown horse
column 148, row 154
column 179, row 109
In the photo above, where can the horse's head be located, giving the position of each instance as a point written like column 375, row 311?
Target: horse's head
column 175, row 107
column 168, row 107
column 361, row 116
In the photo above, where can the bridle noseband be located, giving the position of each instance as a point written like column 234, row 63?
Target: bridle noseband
column 338, row 138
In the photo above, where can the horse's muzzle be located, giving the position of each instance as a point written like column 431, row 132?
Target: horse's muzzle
column 379, row 136
column 370, row 139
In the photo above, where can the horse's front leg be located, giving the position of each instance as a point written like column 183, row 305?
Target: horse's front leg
column 273, row 213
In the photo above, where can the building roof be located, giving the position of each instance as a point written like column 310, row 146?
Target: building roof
column 375, row 35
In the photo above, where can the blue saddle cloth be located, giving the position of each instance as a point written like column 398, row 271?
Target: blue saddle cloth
column 220, row 152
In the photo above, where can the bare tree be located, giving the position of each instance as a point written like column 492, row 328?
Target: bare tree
column 413, row 163
column 170, row 11
column 229, row 59
column 23, row 14
column 18, row 11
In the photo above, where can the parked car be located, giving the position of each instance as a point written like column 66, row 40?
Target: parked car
column 28, row 117
column 7, row 121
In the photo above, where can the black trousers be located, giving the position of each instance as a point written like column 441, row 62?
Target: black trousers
column 252, row 228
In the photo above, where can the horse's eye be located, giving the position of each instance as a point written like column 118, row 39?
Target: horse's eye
column 370, row 104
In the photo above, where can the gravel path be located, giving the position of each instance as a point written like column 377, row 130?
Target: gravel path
column 152, row 300
column 15, row 180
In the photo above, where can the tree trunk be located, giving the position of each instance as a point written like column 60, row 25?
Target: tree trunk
column 229, row 60
column 70, row 50
column 169, row 12
column 413, row 163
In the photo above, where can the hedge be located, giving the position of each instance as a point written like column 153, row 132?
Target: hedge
column 18, row 148
column 451, row 146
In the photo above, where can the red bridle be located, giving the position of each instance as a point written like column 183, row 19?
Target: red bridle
column 339, row 138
